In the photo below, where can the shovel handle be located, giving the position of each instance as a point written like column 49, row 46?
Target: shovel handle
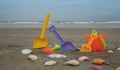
column 90, row 41
column 44, row 27
column 94, row 33
column 53, row 30
column 103, row 41
column 93, row 37
column 58, row 36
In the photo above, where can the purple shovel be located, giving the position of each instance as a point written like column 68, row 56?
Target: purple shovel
column 65, row 45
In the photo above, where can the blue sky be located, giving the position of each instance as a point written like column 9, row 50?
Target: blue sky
column 61, row 10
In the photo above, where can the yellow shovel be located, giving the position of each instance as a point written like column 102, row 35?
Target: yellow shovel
column 87, row 47
column 41, row 41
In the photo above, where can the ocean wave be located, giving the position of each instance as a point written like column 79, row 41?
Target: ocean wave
column 61, row 22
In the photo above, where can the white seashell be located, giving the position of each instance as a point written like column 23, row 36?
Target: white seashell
column 32, row 57
column 72, row 63
column 118, row 68
column 83, row 58
column 110, row 51
column 26, row 51
column 48, row 63
column 57, row 56
column 118, row 48
column 50, row 46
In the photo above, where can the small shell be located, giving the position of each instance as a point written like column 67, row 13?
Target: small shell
column 95, row 67
column 50, row 46
column 118, row 48
column 32, row 57
column 26, row 51
column 83, row 58
column 57, row 56
column 48, row 63
column 110, row 51
column 118, row 68
column 98, row 61
column 72, row 63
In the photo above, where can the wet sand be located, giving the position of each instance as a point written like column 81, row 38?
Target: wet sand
column 13, row 40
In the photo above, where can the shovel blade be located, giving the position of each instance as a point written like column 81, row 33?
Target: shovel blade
column 67, row 45
column 85, row 48
column 40, row 43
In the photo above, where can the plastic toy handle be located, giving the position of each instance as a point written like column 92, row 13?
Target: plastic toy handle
column 53, row 30
column 103, row 41
column 93, row 36
column 58, row 36
column 44, row 28
column 90, row 41
column 94, row 33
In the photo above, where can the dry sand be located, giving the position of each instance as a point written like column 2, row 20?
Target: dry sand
column 13, row 40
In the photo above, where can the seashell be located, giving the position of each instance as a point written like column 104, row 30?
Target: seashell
column 57, row 56
column 83, row 58
column 98, row 61
column 78, row 48
column 32, row 57
column 95, row 67
column 48, row 63
column 72, row 63
column 26, row 51
column 118, row 68
column 118, row 48
column 50, row 46
column 110, row 51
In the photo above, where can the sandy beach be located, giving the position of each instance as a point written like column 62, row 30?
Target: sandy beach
column 13, row 40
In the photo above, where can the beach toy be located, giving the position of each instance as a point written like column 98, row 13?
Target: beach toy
column 56, row 47
column 103, row 41
column 48, row 50
column 97, row 44
column 41, row 41
column 87, row 47
column 65, row 45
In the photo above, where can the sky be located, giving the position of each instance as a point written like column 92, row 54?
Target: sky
column 60, row 10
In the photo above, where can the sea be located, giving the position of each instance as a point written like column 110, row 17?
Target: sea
column 61, row 24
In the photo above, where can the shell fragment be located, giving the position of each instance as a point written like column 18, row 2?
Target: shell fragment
column 110, row 52
column 48, row 63
column 83, row 58
column 118, row 68
column 72, row 63
column 57, row 56
column 26, row 51
column 32, row 57
column 118, row 48
column 98, row 61
column 95, row 67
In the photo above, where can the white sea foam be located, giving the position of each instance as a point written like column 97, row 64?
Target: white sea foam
column 62, row 24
